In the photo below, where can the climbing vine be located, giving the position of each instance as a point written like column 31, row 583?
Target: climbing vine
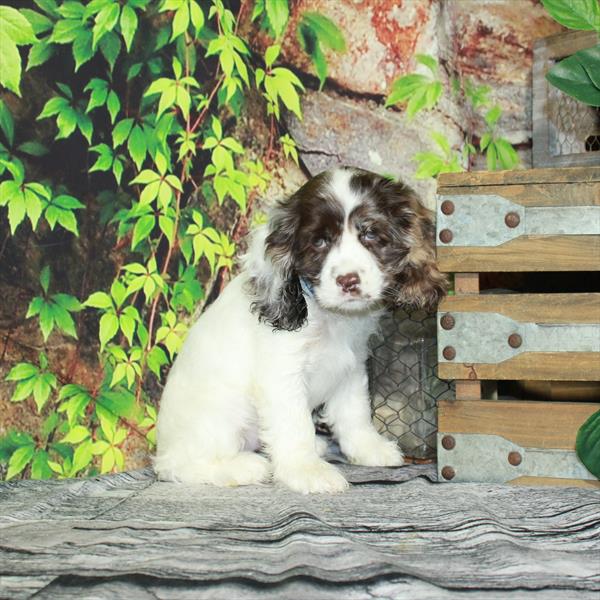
column 142, row 101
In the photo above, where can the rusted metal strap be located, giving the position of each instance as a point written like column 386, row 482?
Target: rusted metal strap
column 492, row 220
column 490, row 338
column 464, row 457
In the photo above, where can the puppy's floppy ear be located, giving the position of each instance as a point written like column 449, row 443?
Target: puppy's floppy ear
column 418, row 281
column 275, row 285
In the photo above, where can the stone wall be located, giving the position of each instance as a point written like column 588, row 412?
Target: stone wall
column 488, row 41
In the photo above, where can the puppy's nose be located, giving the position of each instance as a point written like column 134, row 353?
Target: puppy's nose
column 349, row 282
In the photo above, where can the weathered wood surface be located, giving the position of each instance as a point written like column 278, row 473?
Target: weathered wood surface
column 533, row 188
column 128, row 536
column 530, row 308
column 527, row 253
column 534, row 424
column 517, row 177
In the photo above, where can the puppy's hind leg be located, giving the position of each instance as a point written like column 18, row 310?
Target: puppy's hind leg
column 206, row 446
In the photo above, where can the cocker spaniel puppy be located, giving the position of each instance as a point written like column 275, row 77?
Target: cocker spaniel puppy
column 290, row 334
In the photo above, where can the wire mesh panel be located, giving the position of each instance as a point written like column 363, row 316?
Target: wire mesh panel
column 573, row 127
column 403, row 381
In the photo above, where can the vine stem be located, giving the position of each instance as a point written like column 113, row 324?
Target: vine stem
column 190, row 128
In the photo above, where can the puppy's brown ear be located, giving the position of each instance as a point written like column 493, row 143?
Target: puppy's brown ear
column 278, row 297
column 418, row 282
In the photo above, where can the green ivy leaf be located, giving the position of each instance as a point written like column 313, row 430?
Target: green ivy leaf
column 15, row 30
column 129, row 23
column 278, row 13
column 19, row 460
column 109, row 325
column 137, row 146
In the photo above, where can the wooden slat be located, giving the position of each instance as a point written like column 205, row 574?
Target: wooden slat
column 566, row 175
column 551, row 366
column 530, row 308
column 536, row 194
column 528, row 424
column 466, row 283
column 527, row 253
column 555, row 482
column 468, row 389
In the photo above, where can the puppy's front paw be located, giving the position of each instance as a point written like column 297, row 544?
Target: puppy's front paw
column 375, row 451
column 312, row 477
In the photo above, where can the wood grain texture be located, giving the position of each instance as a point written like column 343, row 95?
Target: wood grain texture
column 468, row 389
column 466, row 283
column 530, row 308
column 555, row 481
column 129, row 536
column 528, row 424
column 526, row 253
column 550, row 366
column 528, row 176
column 535, row 194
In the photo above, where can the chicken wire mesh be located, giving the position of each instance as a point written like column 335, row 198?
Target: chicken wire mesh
column 574, row 127
column 403, row 381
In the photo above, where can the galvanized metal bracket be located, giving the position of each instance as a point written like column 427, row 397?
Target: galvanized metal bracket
column 486, row 220
column 491, row 338
column 486, row 458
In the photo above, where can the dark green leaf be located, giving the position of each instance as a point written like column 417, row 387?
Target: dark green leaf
column 588, row 444
column 326, row 31
column 7, row 123
column 571, row 77
column 575, row 14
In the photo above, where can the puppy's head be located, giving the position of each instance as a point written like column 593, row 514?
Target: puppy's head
column 354, row 239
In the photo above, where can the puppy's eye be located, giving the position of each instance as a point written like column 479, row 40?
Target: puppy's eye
column 369, row 235
column 320, row 243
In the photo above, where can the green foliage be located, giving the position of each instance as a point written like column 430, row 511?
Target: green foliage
column 149, row 93
column 419, row 92
column 314, row 31
column 575, row 14
column 53, row 311
column 588, row 444
column 577, row 75
column 15, row 30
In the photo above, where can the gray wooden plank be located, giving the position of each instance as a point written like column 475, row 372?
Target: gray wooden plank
column 130, row 530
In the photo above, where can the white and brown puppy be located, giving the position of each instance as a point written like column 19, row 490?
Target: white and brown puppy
column 290, row 333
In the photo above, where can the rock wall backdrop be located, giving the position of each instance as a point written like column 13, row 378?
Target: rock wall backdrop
column 488, row 41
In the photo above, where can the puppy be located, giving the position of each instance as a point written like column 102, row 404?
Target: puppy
column 290, row 333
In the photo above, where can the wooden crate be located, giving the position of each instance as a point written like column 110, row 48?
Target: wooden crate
column 542, row 220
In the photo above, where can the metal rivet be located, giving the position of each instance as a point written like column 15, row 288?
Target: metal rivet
column 448, row 442
column 449, row 353
column 448, row 473
column 515, row 458
column 515, row 340
column 446, row 236
column 512, row 219
column 447, row 321
column 447, row 207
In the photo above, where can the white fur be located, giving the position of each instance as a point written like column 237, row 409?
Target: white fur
column 238, row 385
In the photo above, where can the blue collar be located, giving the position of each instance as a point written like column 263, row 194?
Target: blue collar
column 307, row 288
